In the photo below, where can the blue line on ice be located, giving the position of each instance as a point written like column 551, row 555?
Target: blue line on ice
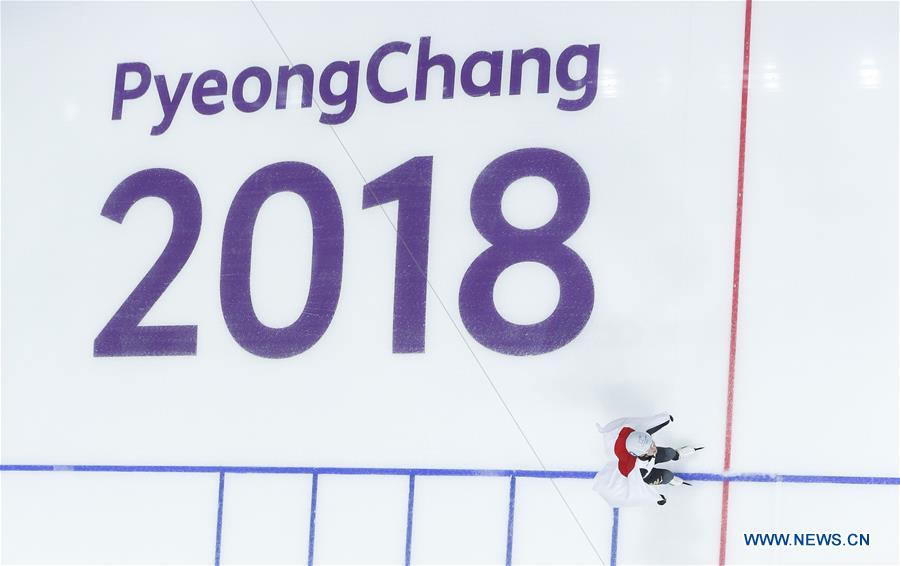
column 557, row 474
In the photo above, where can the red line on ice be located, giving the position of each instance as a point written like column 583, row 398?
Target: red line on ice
column 729, row 412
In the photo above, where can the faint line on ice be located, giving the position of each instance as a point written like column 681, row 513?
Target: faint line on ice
column 439, row 300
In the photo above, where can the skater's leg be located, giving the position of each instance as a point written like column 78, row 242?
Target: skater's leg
column 665, row 454
column 658, row 476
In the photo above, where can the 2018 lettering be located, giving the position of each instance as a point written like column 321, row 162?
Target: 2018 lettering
column 410, row 185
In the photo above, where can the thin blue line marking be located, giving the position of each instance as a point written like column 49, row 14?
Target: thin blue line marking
column 18, row 468
column 312, row 518
column 409, row 516
column 219, row 517
column 779, row 478
column 556, row 474
column 614, row 544
column 512, row 514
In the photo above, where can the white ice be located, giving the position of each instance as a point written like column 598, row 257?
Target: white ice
column 816, row 388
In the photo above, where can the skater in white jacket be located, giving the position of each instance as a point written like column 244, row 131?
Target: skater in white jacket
column 628, row 477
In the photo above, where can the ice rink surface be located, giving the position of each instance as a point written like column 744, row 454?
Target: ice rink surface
column 815, row 388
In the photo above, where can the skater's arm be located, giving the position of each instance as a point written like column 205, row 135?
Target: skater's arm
column 659, row 426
